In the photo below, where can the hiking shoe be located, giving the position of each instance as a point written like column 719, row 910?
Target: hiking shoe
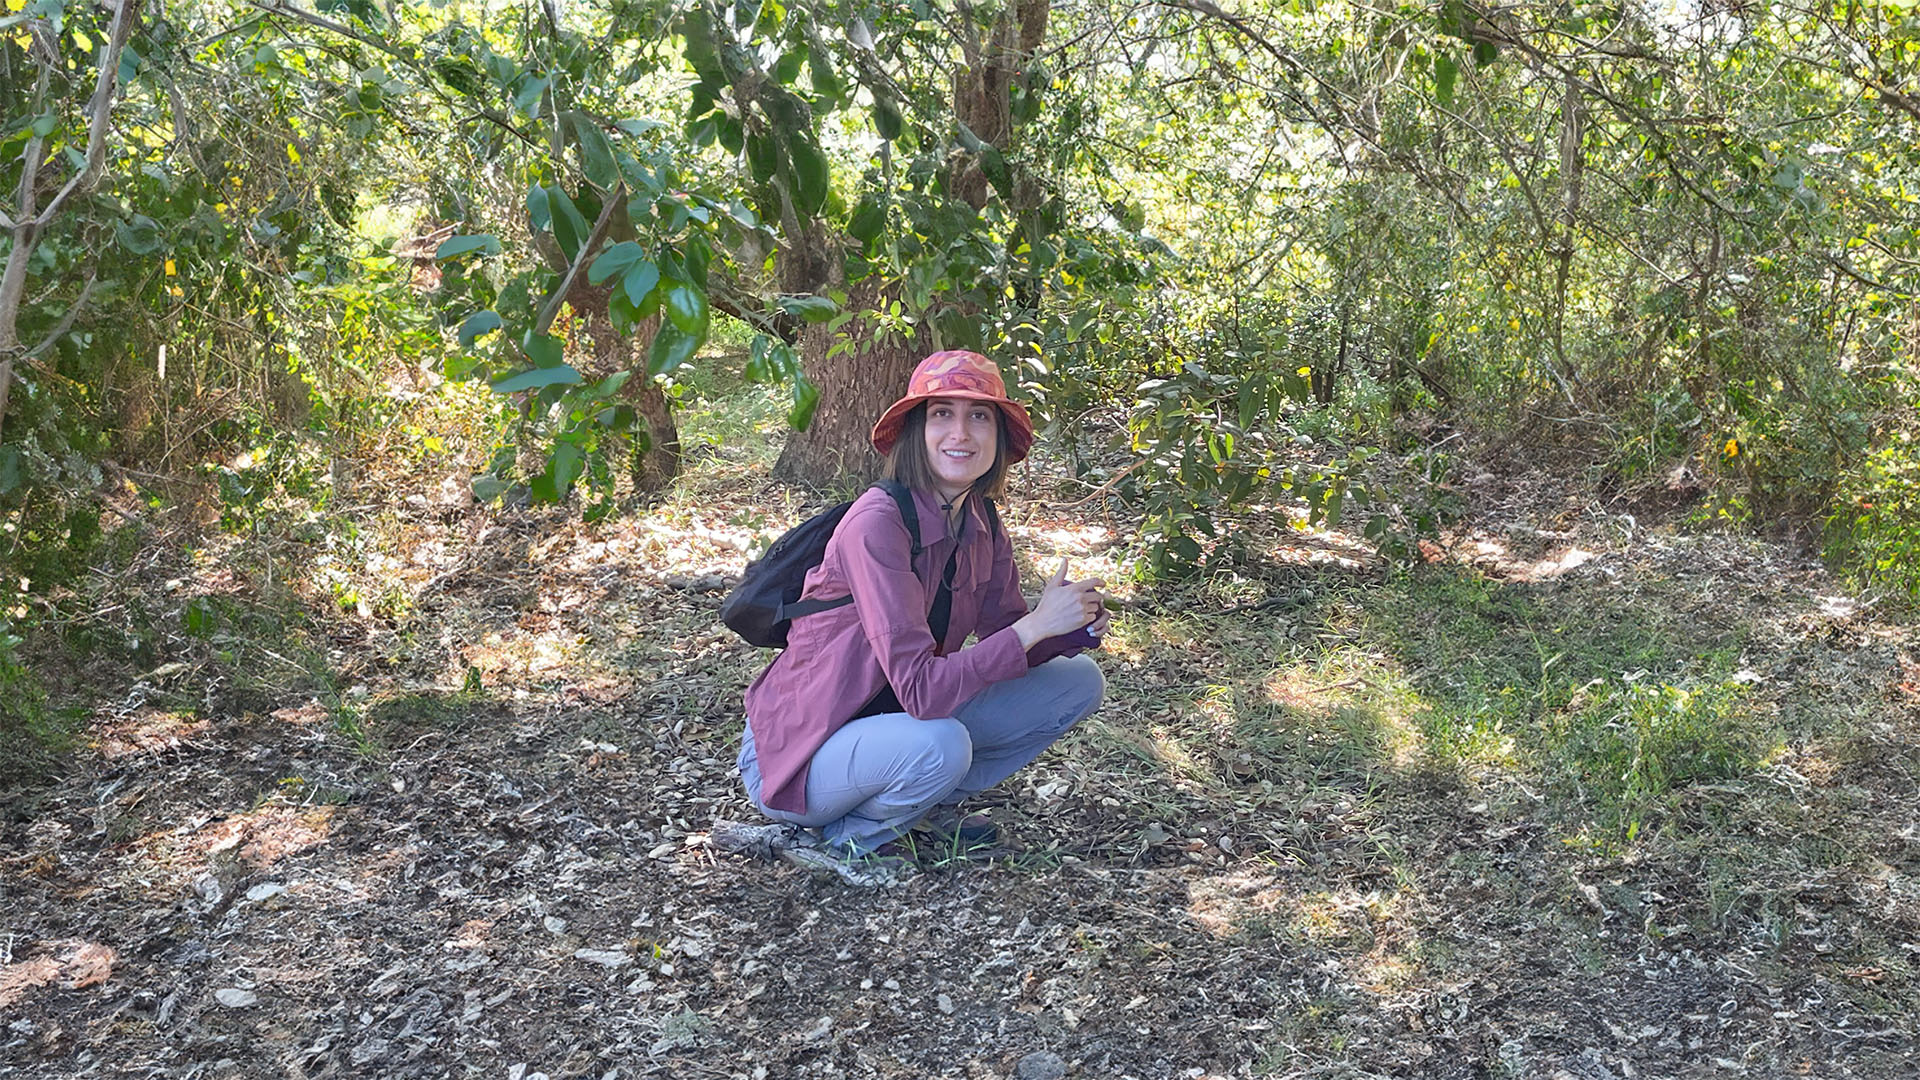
column 947, row 835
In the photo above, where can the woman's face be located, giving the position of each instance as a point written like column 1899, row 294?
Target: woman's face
column 962, row 438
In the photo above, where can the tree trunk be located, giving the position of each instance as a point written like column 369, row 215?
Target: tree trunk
column 656, row 466
column 869, row 372
column 856, row 386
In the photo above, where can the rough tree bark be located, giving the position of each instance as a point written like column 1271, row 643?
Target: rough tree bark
column 656, row 466
column 856, row 386
column 859, row 381
column 613, row 351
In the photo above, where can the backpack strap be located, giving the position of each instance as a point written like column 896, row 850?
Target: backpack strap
column 902, row 498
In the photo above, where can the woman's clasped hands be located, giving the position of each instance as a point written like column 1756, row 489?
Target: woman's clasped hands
column 1065, row 606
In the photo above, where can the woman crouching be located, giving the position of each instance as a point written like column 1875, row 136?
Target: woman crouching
column 879, row 716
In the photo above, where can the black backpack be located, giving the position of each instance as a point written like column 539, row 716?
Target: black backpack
column 767, row 600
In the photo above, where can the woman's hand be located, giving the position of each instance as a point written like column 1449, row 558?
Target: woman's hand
column 1065, row 606
column 1098, row 627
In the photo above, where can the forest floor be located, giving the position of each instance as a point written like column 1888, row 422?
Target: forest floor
column 1579, row 797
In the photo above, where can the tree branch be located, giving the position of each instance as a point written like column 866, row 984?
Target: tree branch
column 66, row 321
column 551, row 309
column 98, row 108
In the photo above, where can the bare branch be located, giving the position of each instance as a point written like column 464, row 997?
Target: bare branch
column 66, row 321
column 98, row 108
column 551, row 310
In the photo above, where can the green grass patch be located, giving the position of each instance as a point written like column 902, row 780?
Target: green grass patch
column 1613, row 703
column 715, row 406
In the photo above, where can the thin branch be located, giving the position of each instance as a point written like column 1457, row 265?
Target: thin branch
column 1102, row 489
column 98, row 107
column 1846, row 268
column 551, row 310
column 66, row 321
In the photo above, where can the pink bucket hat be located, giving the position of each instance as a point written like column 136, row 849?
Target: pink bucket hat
column 957, row 373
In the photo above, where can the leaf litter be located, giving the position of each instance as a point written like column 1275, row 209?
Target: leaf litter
column 492, row 860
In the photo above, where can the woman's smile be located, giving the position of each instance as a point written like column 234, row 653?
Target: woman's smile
column 962, row 439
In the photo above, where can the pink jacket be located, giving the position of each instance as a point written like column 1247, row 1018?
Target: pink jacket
column 837, row 660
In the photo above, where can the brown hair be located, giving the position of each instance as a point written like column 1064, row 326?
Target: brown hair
column 907, row 462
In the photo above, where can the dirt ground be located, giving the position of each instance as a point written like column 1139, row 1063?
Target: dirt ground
column 478, row 848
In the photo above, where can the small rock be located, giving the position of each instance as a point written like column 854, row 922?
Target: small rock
column 235, row 998
column 1041, row 1065
column 265, row 891
column 943, row 1003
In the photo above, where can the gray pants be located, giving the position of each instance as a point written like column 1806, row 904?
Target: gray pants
column 878, row 775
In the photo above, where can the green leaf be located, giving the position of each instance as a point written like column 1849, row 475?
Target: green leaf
column 615, row 260
column 478, row 325
column 539, row 208
column 687, row 308
column 141, row 236
column 544, row 350
column 763, row 157
column 810, row 170
column 562, row 375
column 787, row 67
column 811, row 308
column 568, row 460
column 672, row 347
column 455, row 246
column 1485, row 52
column 527, row 98
column 488, row 487
column 12, row 468
column 639, row 282
column 869, row 220
column 826, row 81
column 44, row 124
column 696, row 30
column 806, row 397
column 611, row 385
column 569, row 225
column 728, row 132
column 995, row 166
column 596, row 152
column 886, row 117
column 1445, row 71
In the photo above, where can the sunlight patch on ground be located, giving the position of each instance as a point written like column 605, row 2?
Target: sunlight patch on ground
column 147, row 731
column 1227, row 904
column 1311, row 545
column 1049, row 544
column 1494, row 556
column 512, row 657
column 259, row 838
column 1365, row 698
column 1172, row 751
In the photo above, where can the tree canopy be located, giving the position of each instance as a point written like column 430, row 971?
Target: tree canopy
column 1304, row 246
